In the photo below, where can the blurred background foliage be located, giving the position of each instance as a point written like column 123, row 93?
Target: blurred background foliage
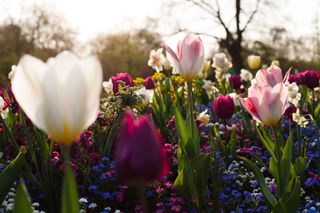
column 44, row 32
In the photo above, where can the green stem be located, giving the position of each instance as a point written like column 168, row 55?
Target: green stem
column 278, row 156
column 141, row 188
column 190, row 101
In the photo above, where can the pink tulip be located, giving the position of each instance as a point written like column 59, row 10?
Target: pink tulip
column 189, row 59
column 267, row 101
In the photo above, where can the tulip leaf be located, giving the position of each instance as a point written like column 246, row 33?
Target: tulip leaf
column 70, row 202
column 285, row 165
column 266, row 141
column 232, row 143
column 270, row 199
column 300, row 165
column 273, row 168
column 183, row 132
column 22, row 199
column 10, row 173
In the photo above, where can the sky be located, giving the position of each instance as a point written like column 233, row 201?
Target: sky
column 90, row 17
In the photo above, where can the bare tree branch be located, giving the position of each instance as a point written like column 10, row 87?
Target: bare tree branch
column 218, row 16
column 251, row 16
column 204, row 6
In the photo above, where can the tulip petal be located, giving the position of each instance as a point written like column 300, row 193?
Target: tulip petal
column 27, row 88
column 92, row 71
column 173, row 58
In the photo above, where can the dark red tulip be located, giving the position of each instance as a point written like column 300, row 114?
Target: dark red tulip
column 139, row 151
column 293, row 78
column 223, row 106
column 311, row 79
column 235, row 81
column 148, row 83
column 124, row 77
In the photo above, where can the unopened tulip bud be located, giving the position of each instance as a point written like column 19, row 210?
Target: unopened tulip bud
column 223, row 106
column 254, row 62
column 148, row 83
column 139, row 152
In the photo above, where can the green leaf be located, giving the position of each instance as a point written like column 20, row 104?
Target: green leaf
column 221, row 147
column 70, row 202
column 266, row 141
column 273, row 168
column 286, row 165
column 10, row 173
column 182, row 130
column 300, row 165
column 270, row 199
column 232, row 143
column 22, row 200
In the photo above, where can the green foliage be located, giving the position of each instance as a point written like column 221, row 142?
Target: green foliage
column 22, row 199
column 69, row 196
column 10, row 173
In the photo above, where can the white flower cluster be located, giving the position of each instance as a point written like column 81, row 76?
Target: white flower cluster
column 146, row 94
column 300, row 120
column 210, row 88
column 222, row 65
column 294, row 95
column 246, row 75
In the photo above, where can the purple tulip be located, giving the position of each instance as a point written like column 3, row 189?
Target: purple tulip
column 124, row 77
column 235, row 81
column 140, row 154
column 311, row 79
column 223, row 106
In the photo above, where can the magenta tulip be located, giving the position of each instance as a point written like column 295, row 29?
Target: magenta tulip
column 267, row 101
column 310, row 79
column 188, row 61
column 139, row 151
column 121, row 77
column 223, row 106
column 148, row 83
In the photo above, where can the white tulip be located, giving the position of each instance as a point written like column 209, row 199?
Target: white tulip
column 61, row 97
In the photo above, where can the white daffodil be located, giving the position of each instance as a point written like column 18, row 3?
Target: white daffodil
column 157, row 59
column 293, row 94
column 300, row 120
column 61, row 97
column 204, row 117
column 220, row 75
column 220, row 61
column 108, row 86
column 3, row 112
column 246, row 75
column 146, row 94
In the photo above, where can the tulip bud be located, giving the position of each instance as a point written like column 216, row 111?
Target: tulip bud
column 254, row 62
column 311, row 79
column 125, row 78
column 223, row 106
column 140, row 154
column 148, row 83
column 235, row 81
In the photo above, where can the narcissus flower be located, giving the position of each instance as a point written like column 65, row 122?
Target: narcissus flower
column 139, row 151
column 268, row 99
column 223, row 106
column 61, row 97
column 157, row 59
column 188, row 61
column 254, row 62
column 220, row 61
